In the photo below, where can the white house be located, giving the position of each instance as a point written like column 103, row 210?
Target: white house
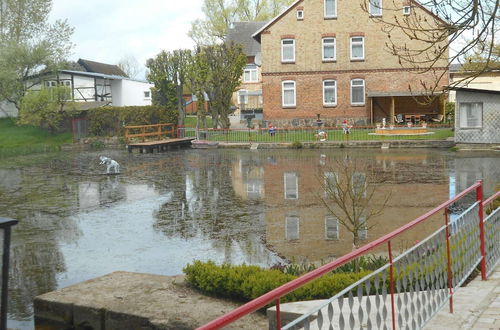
column 96, row 85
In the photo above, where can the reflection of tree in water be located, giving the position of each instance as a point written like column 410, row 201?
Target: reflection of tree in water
column 204, row 204
column 42, row 203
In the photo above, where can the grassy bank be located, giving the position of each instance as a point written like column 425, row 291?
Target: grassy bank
column 21, row 140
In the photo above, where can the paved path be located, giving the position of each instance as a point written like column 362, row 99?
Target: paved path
column 476, row 306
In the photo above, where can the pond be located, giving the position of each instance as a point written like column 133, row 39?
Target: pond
column 237, row 206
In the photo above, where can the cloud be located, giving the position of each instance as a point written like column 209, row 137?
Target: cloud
column 108, row 30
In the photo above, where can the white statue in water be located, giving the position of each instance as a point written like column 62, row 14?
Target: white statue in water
column 110, row 163
column 383, row 122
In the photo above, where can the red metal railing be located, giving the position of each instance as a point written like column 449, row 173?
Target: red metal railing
column 463, row 267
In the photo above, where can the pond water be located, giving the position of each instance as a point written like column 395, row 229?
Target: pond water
column 237, row 206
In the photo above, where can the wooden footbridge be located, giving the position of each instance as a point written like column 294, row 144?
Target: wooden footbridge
column 159, row 137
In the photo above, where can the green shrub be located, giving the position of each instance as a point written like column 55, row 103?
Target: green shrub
column 109, row 121
column 245, row 282
column 297, row 145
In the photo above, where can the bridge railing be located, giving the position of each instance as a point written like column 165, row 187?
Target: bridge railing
column 410, row 289
column 5, row 231
column 155, row 131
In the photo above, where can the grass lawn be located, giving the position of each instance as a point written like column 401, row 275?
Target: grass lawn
column 190, row 121
column 18, row 140
column 308, row 135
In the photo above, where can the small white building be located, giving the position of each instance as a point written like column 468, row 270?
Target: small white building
column 97, row 84
column 99, row 87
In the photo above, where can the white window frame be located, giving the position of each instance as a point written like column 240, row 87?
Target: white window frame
column 374, row 7
column 333, row 223
column 300, row 14
column 285, row 44
column 244, row 93
column 354, row 184
column 357, row 43
column 292, row 220
column 468, row 108
column 147, row 97
column 332, row 15
column 324, row 41
column 283, row 89
column 406, row 10
column 334, row 92
column 294, row 190
column 357, row 86
column 252, row 75
column 363, row 231
column 327, row 177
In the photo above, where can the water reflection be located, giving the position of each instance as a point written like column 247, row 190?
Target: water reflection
column 166, row 210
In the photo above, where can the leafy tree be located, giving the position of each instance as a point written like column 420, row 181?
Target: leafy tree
column 29, row 45
column 167, row 71
column 226, row 63
column 220, row 13
column 442, row 37
column 483, row 60
column 197, row 72
column 47, row 107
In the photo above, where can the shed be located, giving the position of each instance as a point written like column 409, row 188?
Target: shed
column 477, row 116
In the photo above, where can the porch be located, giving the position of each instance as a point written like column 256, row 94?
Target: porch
column 403, row 107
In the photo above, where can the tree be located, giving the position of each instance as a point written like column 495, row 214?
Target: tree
column 197, row 72
column 130, row 66
column 435, row 28
column 349, row 197
column 29, row 45
column 482, row 60
column 220, row 13
column 167, row 71
column 225, row 63
column 47, row 107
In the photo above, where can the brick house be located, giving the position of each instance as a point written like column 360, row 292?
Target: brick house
column 248, row 98
column 329, row 58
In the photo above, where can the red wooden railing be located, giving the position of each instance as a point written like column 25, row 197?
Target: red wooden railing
column 276, row 294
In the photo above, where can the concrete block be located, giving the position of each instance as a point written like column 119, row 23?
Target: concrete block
column 56, row 311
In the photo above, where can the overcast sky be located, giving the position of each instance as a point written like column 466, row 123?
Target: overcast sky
column 107, row 30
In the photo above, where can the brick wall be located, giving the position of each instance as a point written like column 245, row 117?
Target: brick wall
column 380, row 70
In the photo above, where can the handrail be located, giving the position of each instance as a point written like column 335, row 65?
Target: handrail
column 286, row 288
column 491, row 198
column 146, row 131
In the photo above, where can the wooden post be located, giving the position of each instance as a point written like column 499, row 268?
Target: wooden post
column 393, row 110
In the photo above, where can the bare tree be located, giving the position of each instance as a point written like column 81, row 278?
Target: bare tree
column 130, row 66
column 437, row 32
column 349, row 197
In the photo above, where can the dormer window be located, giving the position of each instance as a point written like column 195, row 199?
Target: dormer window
column 300, row 14
column 406, row 10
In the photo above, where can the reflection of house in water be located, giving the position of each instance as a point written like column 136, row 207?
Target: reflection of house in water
column 248, row 179
column 467, row 170
column 299, row 226
column 110, row 189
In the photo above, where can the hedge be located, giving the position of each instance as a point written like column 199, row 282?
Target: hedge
column 246, row 282
column 109, row 121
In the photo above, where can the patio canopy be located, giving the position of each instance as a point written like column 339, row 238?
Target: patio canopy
column 400, row 93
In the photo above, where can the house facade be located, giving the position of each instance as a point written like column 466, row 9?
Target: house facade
column 477, row 116
column 329, row 58
column 248, row 98
column 487, row 80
